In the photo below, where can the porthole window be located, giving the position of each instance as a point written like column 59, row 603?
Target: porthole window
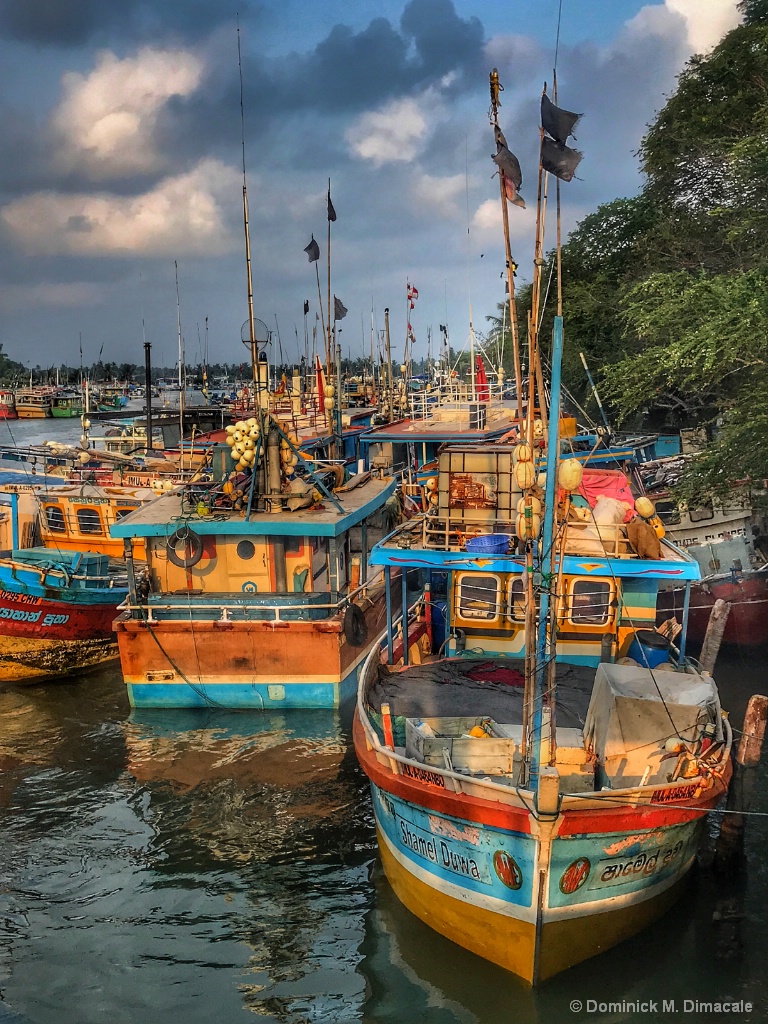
column 246, row 549
column 89, row 520
column 590, row 602
column 55, row 518
column 478, row 596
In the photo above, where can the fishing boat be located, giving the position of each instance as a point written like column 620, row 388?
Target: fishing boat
column 69, row 517
column 259, row 592
column 7, row 404
column 720, row 535
column 34, row 403
column 67, row 405
column 56, row 610
column 541, row 759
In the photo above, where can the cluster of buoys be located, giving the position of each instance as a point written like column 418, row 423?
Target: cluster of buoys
column 243, row 441
column 431, row 489
column 329, row 392
column 162, row 486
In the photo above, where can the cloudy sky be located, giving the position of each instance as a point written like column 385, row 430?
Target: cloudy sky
column 122, row 158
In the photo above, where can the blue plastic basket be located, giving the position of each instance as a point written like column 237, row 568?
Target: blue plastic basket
column 489, row 544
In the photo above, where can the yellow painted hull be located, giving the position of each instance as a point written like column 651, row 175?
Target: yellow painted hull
column 510, row 942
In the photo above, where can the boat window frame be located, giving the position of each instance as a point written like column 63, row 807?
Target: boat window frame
column 610, row 603
column 511, row 602
column 702, row 513
column 91, row 510
column 497, row 610
column 47, row 509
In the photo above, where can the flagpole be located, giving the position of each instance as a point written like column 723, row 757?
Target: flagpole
column 510, row 263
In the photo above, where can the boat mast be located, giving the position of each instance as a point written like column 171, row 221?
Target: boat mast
column 496, row 88
column 251, row 323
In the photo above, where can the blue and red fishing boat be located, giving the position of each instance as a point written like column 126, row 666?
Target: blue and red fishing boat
column 542, row 758
column 56, row 612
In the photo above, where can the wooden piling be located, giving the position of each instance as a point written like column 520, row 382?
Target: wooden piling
column 714, row 635
column 729, row 848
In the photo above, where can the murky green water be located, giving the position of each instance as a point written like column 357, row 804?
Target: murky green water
column 209, row 866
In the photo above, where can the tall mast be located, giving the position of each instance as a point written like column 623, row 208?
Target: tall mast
column 496, row 88
column 251, row 323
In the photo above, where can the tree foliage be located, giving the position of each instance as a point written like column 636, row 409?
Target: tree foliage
column 667, row 293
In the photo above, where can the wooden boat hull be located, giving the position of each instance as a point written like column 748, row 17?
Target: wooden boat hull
column 747, row 594
column 32, row 412
column 58, row 413
column 534, row 896
column 34, row 659
column 193, row 662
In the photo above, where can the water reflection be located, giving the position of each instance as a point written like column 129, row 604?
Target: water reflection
column 198, row 865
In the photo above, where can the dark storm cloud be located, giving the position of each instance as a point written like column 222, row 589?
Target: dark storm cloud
column 346, row 72
column 350, row 71
column 70, row 23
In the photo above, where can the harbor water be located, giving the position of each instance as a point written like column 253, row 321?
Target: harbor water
column 215, row 866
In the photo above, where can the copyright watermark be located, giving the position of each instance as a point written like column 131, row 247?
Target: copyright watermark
column 697, row 1006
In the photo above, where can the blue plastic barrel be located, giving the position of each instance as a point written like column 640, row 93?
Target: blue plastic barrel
column 649, row 648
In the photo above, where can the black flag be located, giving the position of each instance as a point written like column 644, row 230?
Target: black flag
column 331, row 211
column 339, row 309
column 561, row 161
column 557, row 122
column 312, row 250
column 306, row 306
column 509, row 166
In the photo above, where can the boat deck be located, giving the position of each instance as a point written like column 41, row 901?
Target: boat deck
column 169, row 511
column 477, row 687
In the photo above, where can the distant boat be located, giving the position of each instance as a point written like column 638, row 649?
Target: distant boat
column 7, row 405
column 67, row 406
column 56, row 611
column 34, row 403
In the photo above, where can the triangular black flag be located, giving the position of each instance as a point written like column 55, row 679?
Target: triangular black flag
column 312, row 250
column 561, row 161
column 331, row 211
column 557, row 122
column 306, row 306
column 339, row 309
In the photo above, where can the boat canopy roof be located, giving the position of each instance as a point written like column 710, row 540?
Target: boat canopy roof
column 164, row 515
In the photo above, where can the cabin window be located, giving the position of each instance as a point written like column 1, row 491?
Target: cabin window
column 121, row 513
column 590, row 602
column 516, row 610
column 667, row 512
column 701, row 514
column 55, row 519
column 89, row 520
column 478, row 596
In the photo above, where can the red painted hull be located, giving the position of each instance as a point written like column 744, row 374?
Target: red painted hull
column 7, row 412
column 747, row 623
column 23, row 615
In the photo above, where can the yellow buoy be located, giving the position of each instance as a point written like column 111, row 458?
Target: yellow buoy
column 535, row 506
column 645, row 507
column 524, row 475
column 528, row 528
column 523, row 452
column 570, row 474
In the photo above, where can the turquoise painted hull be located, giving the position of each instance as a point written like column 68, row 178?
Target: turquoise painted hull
column 243, row 695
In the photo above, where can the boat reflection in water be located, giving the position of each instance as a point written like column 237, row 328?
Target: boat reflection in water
column 248, row 782
column 266, row 812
